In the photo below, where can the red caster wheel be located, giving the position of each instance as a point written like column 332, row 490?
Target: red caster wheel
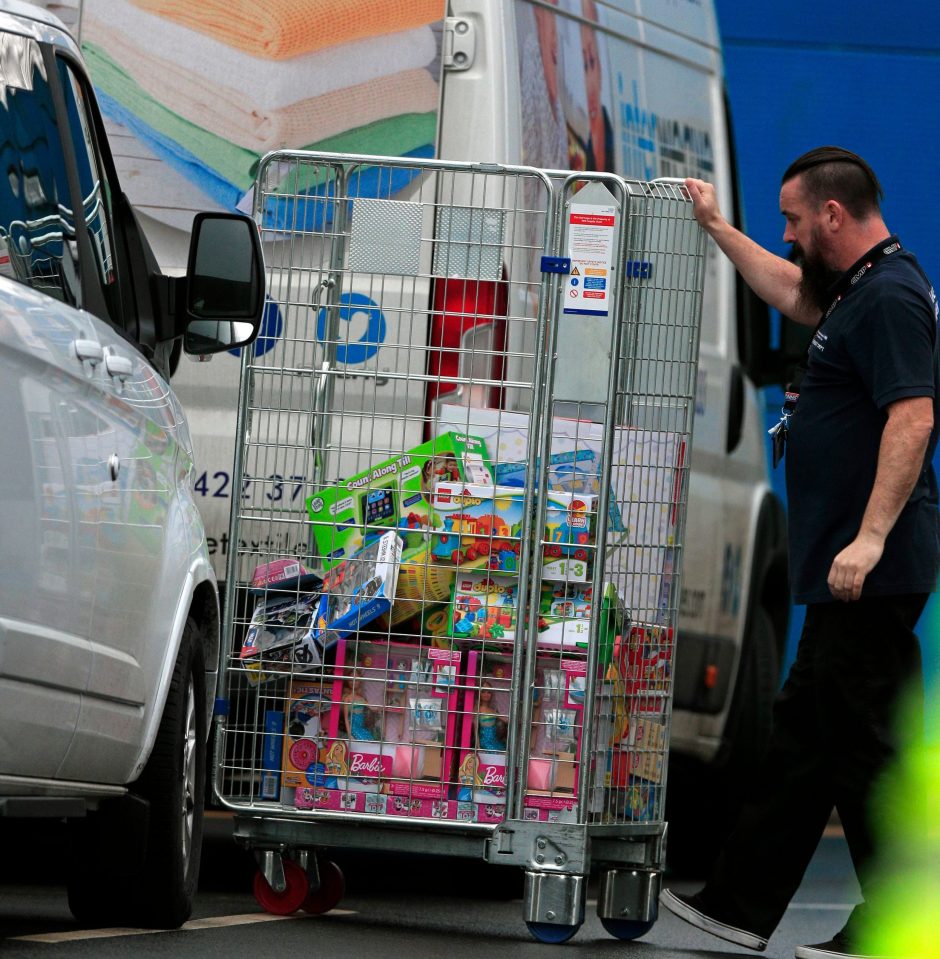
column 330, row 891
column 288, row 901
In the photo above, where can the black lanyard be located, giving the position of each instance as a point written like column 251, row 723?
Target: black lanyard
column 778, row 431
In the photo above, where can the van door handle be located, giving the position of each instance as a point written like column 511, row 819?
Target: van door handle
column 88, row 351
column 118, row 367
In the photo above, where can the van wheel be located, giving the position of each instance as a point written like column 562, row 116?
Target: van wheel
column 702, row 801
column 159, row 891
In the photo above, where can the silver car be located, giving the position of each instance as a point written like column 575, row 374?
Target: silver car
column 109, row 623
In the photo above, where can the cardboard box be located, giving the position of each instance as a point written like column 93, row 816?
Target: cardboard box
column 484, row 608
column 306, row 716
column 393, row 494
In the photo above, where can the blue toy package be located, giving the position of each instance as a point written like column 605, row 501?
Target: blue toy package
column 359, row 590
column 271, row 754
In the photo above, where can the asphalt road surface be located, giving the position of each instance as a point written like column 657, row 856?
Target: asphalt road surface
column 394, row 906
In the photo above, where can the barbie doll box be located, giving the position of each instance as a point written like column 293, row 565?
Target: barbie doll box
column 391, row 731
column 558, row 699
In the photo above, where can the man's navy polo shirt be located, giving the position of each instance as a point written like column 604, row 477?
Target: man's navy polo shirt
column 879, row 344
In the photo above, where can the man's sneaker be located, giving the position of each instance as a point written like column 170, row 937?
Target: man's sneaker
column 691, row 909
column 838, row 947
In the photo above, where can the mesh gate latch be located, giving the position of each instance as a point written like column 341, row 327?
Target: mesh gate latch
column 556, row 264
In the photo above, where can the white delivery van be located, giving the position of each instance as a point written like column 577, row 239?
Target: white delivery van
column 625, row 86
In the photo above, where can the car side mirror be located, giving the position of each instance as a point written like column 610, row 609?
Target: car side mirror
column 224, row 292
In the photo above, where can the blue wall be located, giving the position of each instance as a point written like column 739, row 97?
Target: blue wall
column 865, row 76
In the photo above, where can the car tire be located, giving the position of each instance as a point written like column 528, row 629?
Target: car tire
column 159, row 893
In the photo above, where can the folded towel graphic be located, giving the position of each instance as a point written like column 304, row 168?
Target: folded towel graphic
column 278, row 29
column 224, row 111
column 223, row 161
column 262, row 85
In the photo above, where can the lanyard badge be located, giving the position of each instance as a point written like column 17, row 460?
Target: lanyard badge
column 779, row 431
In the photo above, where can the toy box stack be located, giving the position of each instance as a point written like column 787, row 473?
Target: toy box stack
column 387, row 745
column 642, row 659
column 399, row 699
column 645, row 486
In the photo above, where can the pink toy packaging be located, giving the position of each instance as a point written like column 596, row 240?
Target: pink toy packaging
column 391, row 732
column 554, row 745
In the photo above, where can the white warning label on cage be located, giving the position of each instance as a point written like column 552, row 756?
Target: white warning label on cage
column 591, row 249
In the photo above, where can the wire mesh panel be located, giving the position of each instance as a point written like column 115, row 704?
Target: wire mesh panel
column 463, row 469
column 632, row 399
column 405, row 290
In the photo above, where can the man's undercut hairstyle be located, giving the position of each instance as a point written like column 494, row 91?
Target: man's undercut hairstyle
column 831, row 173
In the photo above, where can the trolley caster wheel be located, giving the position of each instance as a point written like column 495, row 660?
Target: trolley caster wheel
column 288, row 901
column 328, row 894
column 627, row 929
column 551, row 933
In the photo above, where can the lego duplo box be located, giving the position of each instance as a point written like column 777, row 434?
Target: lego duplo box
column 391, row 731
column 392, row 494
column 484, row 611
column 484, row 608
column 485, row 525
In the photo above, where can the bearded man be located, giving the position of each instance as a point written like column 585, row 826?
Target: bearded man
column 859, row 429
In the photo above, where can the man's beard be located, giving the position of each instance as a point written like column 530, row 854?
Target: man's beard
column 816, row 280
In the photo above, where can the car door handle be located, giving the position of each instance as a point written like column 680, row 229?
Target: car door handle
column 120, row 367
column 88, row 351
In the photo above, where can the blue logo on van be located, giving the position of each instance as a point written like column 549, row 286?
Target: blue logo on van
column 354, row 305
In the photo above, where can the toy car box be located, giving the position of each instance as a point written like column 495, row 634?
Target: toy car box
column 392, row 494
column 279, row 638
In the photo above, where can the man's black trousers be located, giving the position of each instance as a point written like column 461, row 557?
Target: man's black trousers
column 835, row 736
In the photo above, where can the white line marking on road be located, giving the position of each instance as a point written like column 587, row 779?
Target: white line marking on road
column 824, row 906
column 211, row 922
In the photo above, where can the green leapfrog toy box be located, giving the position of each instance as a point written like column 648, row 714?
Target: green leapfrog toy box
column 394, row 494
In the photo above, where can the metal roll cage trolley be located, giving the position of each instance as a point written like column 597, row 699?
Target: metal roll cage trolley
column 453, row 572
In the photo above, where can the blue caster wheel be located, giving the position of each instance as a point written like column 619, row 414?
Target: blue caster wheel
column 627, row 929
column 551, row 933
